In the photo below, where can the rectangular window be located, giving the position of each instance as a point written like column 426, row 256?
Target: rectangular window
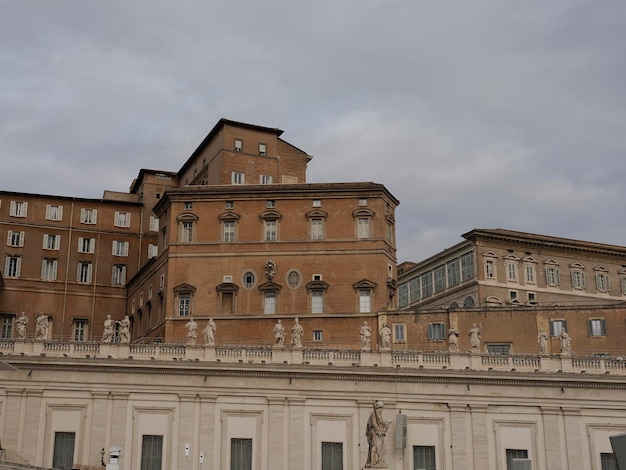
column 80, row 330
column 154, row 224
column 271, row 203
column 515, row 454
column 188, row 205
column 427, row 284
column 262, row 150
column 269, row 302
column 578, row 279
column 118, row 275
column 84, row 272
column 238, row 145
column 63, row 456
column 151, row 452
column 424, row 458
column 229, row 231
column 332, row 456
column 240, row 454
column 86, row 245
column 317, row 335
column 317, row 229
column 18, row 209
column 229, row 204
column 317, row 203
column 436, row 331
column 54, row 212
column 454, row 272
column 440, row 278
column 271, row 230
column 362, row 202
column 15, row 238
column 399, row 333
column 88, row 216
column 403, row 295
column 597, row 327
column 490, row 272
column 184, row 304
column 317, row 301
column 363, row 227
column 187, row 235
column 530, row 273
column 238, row 177
column 553, row 276
column 265, row 179
column 608, row 461
column 602, row 282
column 365, row 301
column 502, row 348
column 623, row 282
column 414, row 289
column 556, row 326
column 122, row 219
column 6, row 324
column 51, row 242
column 49, row 269
column 12, row 266
column 467, row 266
column 153, row 250
column 120, row 248
column 511, row 271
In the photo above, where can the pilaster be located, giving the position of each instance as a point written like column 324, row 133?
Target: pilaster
column 480, row 436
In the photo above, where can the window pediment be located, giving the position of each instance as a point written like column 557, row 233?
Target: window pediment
column 271, row 215
column 601, row 269
column 269, row 286
column 227, row 287
column 493, row 300
column 364, row 284
column 551, row 262
column 317, row 285
column 184, row 287
column 187, row 216
column 529, row 259
column 227, row 216
column 316, row 214
column 362, row 213
column 576, row 266
column 489, row 254
column 511, row 257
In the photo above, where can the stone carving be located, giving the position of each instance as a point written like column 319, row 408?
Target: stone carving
column 22, row 322
column 109, row 329
column 566, row 343
column 474, row 335
column 385, row 337
column 270, row 269
column 125, row 330
column 366, row 337
column 209, row 333
column 41, row 327
column 192, row 331
column 542, row 339
column 375, row 432
column 296, row 334
column 279, row 334
column 453, row 339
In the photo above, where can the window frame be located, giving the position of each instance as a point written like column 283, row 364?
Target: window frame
column 437, row 331
column 15, row 238
column 122, row 219
column 84, row 273
column 556, row 325
column 596, row 327
column 18, row 209
column 54, row 212
column 237, row 177
column 49, row 269
column 399, row 333
column 118, row 275
column 12, row 266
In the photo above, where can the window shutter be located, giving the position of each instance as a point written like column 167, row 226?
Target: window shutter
column 60, row 213
column 564, row 323
column 48, row 211
column 45, row 241
column 89, row 272
column 558, row 276
column 7, row 262
column 117, row 219
column 552, row 329
column 125, row 248
column 13, row 208
column 9, row 237
column 603, row 326
column 80, row 244
column 57, row 242
column 24, row 210
column 114, row 252
column 584, row 284
column 83, row 215
column 22, row 235
column 590, row 327
column 44, row 263
column 18, row 267
column 55, row 264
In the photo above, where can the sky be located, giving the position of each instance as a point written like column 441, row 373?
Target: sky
column 474, row 114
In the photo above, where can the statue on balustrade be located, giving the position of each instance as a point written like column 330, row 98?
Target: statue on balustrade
column 22, row 322
column 41, row 327
column 109, row 329
column 474, row 335
column 385, row 337
column 366, row 337
column 209, row 333
column 297, row 332
column 566, row 343
column 453, row 339
column 125, row 330
column 542, row 339
column 375, row 432
column 192, row 331
column 279, row 334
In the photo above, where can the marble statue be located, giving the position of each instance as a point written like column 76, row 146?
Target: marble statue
column 109, row 329
column 279, row 334
column 453, row 339
column 375, row 432
column 22, row 322
column 566, row 343
column 41, row 327
column 192, row 331
column 474, row 335
column 296, row 334
column 385, row 337
column 125, row 330
column 209, row 333
column 542, row 339
column 366, row 337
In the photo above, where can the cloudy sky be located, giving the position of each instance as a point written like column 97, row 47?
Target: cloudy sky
column 475, row 114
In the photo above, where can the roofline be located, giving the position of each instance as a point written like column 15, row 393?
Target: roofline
column 441, row 255
column 145, row 171
column 72, row 198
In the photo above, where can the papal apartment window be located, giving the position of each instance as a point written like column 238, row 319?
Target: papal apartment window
column 578, row 279
column 317, row 335
column 332, row 456
column 363, row 227
column 317, row 229
column 151, row 452
column 317, row 301
column 270, row 230
column 88, row 216
column 63, row 454
column 557, row 326
column 499, row 348
column 18, row 209
column 515, row 454
column 399, row 333
column 84, row 273
column 414, row 289
column 317, row 203
column 427, row 284
column 120, row 248
column 248, row 280
column 240, row 454
column 269, row 302
column 12, row 266
column 403, row 295
column 154, row 224
column 596, row 327
column 511, row 270
column 6, row 326
column 553, row 275
column 49, row 269
column 266, row 179
column 229, row 231
column 238, row 177
column 80, row 330
column 529, row 269
column 436, row 331
column 424, row 458
column 51, row 242
column 122, row 219
column 118, row 275
column 187, row 231
column 365, row 300
column 490, row 269
column 262, row 150
column 86, row 245
column 15, row 238
column 238, row 145
column 602, row 281
column 184, row 304
column 54, row 212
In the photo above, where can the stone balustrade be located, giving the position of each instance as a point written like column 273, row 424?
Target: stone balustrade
column 252, row 354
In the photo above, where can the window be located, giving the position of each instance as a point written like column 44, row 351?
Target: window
column 403, row 294
column 265, row 179
column 54, row 212
column 238, row 177
column 80, row 330
column 188, row 205
column 240, row 454
column 597, row 327
column 502, row 348
column 154, row 224
column 427, row 284
column 602, row 280
column 317, row 335
column 269, row 302
column 151, row 452
column 515, row 454
column 363, row 202
column 153, row 250
column 556, row 326
column 18, row 209
column 529, row 270
column 454, row 272
column 511, row 271
column 317, row 229
column 399, row 333
column 294, row 279
column 238, row 145
column 363, row 227
column 490, row 269
column 317, row 203
column 467, row 266
column 228, row 228
column 6, row 324
column 424, row 458
column 608, row 461
column 88, row 216
column 51, row 242
column 63, row 457
column 84, row 272
column 623, row 282
column 270, row 230
column 229, row 204
column 122, row 219
column 248, row 280
column 317, row 301
column 15, row 238
column 332, row 456
column 440, row 278
column 262, row 150
column 532, row 297
column 49, row 269
column 365, row 300
column 578, row 279
column 184, row 304
column 414, row 289
column 553, row 276
column 118, row 275
column 271, row 203
column 513, row 294
column 120, row 248
column 86, row 245
column 436, row 331
column 187, row 231
column 12, row 266
column 468, row 302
